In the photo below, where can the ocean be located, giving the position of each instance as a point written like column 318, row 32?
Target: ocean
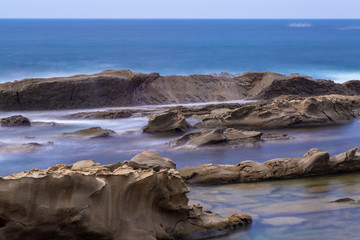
column 327, row 49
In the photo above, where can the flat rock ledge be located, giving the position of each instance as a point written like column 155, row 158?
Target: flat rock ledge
column 90, row 133
column 89, row 201
column 313, row 163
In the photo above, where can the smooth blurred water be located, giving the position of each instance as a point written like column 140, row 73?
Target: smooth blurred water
column 44, row 48
column 303, row 201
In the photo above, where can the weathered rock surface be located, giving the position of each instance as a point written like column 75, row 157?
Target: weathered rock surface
column 22, row 148
column 90, row 133
column 15, row 121
column 230, row 136
column 282, row 113
column 89, row 201
column 315, row 162
column 125, row 88
column 170, row 121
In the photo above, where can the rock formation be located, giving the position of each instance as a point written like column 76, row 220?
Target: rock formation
column 315, row 162
column 90, row 133
column 170, row 121
column 89, row 201
column 125, row 88
column 15, row 121
column 229, row 136
column 22, row 148
column 281, row 113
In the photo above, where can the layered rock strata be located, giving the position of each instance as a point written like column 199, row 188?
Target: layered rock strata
column 125, row 88
column 89, row 201
column 170, row 121
column 313, row 163
column 281, row 113
column 229, row 136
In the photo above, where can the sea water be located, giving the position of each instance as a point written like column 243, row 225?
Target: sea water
column 52, row 47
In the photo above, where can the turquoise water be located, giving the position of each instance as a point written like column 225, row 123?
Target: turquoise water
column 44, row 48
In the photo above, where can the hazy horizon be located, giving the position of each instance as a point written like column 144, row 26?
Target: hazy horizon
column 184, row 9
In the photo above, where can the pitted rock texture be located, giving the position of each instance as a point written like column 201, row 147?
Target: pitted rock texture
column 281, row 113
column 313, row 163
column 89, row 201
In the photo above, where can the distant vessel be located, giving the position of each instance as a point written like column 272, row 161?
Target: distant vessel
column 300, row 25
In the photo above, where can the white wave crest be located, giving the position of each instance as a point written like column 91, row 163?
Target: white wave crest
column 300, row 25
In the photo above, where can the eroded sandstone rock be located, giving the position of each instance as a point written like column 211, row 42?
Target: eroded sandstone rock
column 89, row 201
column 90, row 133
column 313, row 163
column 230, row 136
column 283, row 113
column 22, row 148
column 170, row 121
column 15, row 121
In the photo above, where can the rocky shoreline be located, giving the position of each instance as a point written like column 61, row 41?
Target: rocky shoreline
column 125, row 88
column 146, row 197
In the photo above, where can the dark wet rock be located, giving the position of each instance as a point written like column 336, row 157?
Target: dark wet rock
column 15, row 121
column 22, row 148
column 282, row 113
column 125, row 88
column 343, row 200
column 229, row 136
column 89, row 201
column 90, row 133
column 170, row 121
column 313, row 163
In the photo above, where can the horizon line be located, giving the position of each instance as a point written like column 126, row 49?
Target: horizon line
column 108, row 18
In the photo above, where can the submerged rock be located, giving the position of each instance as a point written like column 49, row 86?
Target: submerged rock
column 313, row 163
column 89, row 201
column 282, row 113
column 230, row 136
column 170, row 121
column 90, row 133
column 22, row 148
column 111, row 114
column 15, row 121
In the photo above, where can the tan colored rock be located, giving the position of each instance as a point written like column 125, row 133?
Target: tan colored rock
column 89, row 201
column 230, row 136
column 170, row 121
column 313, row 163
column 283, row 113
column 90, row 133
column 151, row 159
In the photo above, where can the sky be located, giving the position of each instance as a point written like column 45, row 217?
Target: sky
column 180, row 9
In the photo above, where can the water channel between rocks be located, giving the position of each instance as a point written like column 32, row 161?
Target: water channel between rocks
column 291, row 209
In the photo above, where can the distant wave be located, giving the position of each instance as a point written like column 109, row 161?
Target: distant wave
column 300, row 25
column 349, row 28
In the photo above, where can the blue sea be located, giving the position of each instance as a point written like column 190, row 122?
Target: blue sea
column 45, row 48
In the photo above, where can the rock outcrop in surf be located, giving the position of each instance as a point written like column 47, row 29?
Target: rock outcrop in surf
column 313, row 163
column 125, row 88
column 118, row 201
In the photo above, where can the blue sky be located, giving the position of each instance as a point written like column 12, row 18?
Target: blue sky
column 179, row 8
